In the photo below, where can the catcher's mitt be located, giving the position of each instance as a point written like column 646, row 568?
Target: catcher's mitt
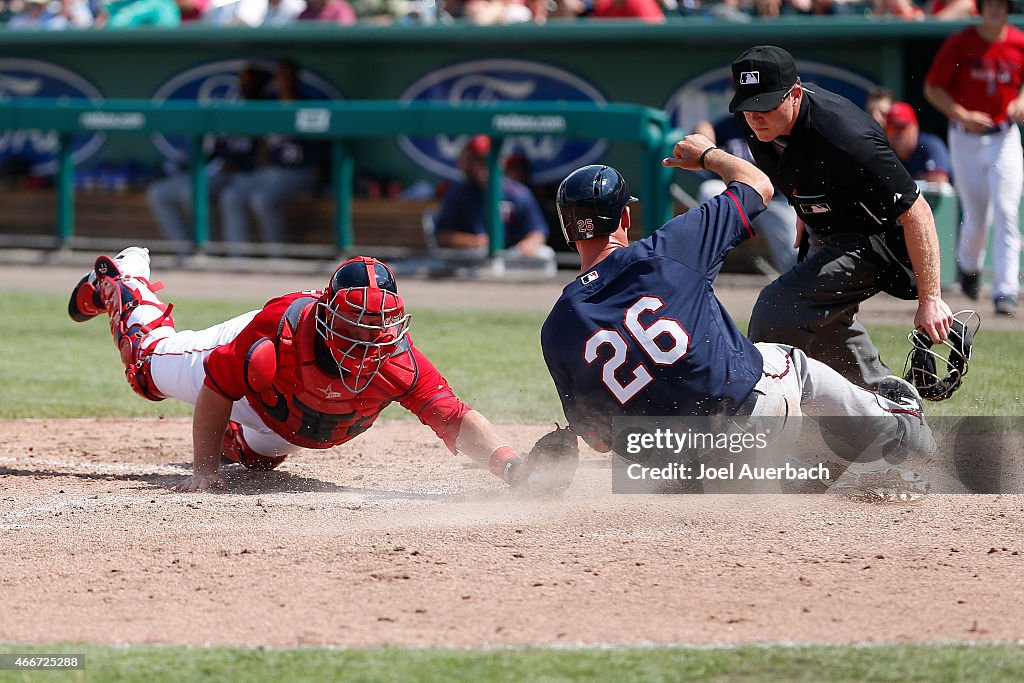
column 552, row 461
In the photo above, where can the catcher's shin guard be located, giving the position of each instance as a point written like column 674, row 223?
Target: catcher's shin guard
column 131, row 328
column 236, row 450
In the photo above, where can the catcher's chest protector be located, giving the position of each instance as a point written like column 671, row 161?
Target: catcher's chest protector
column 313, row 409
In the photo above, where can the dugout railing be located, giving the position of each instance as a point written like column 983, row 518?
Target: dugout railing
column 340, row 122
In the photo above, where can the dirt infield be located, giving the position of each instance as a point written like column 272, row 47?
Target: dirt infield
column 390, row 540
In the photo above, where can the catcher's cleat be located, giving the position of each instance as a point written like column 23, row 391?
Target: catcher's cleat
column 86, row 302
column 893, row 485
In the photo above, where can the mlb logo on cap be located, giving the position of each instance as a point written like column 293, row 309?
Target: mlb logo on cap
column 762, row 76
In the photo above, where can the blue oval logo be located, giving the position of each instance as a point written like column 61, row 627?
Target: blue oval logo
column 504, row 80
column 218, row 81
column 35, row 78
column 706, row 97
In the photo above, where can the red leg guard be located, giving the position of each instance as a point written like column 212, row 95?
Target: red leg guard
column 136, row 363
column 120, row 300
column 236, row 450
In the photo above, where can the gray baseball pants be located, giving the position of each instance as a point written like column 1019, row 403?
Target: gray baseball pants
column 814, row 307
column 793, row 384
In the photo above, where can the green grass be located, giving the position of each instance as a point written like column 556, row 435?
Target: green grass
column 905, row 663
column 54, row 368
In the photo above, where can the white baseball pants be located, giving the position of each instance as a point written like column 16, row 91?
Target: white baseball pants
column 988, row 171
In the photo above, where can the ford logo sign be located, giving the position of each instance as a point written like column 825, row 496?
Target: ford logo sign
column 35, row 78
column 552, row 154
column 706, row 97
column 218, row 81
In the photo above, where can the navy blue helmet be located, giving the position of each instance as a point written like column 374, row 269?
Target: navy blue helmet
column 590, row 202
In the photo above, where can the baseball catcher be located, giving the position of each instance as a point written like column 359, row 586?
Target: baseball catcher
column 311, row 369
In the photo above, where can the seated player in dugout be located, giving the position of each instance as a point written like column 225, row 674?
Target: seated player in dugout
column 312, row 369
column 460, row 221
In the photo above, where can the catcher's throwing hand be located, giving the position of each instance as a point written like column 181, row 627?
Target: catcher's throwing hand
column 551, row 464
column 200, row 482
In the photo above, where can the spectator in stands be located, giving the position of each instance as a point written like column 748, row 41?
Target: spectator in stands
column 900, row 9
column 924, row 155
column 951, row 10
column 768, row 9
column 193, row 10
column 34, row 16
column 329, row 11
column 378, row 11
column 51, row 16
column 644, row 10
column 137, row 13
column 231, row 158
column 286, row 168
column 490, row 12
column 822, row 8
column 255, row 12
column 556, row 9
column 737, row 11
column 283, row 12
column 778, row 222
column 460, row 222
column 78, row 13
column 878, row 103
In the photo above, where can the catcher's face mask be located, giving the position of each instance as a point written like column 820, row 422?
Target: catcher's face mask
column 361, row 326
column 925, row 360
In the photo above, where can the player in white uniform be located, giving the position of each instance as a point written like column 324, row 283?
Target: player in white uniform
column 976, row 82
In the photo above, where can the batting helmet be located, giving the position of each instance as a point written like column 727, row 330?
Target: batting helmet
column 923, row 362
column 590, row 202
column 361, row 320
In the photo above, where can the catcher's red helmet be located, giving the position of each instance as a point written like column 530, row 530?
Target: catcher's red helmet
column 361, row 320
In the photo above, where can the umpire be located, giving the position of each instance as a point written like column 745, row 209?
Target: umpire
column 863, row 226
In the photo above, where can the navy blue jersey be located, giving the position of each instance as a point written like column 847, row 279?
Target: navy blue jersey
column 463, row 211
column 642, row 332
column 931, row 154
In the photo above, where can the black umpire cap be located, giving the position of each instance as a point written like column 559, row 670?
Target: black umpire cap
column 762, row 76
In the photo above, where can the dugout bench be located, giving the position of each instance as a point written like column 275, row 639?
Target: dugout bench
column 338, row 122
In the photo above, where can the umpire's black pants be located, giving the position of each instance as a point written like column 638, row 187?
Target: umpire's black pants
column 813, row 306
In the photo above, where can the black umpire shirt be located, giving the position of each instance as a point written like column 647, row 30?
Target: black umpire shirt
column 836, row 168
